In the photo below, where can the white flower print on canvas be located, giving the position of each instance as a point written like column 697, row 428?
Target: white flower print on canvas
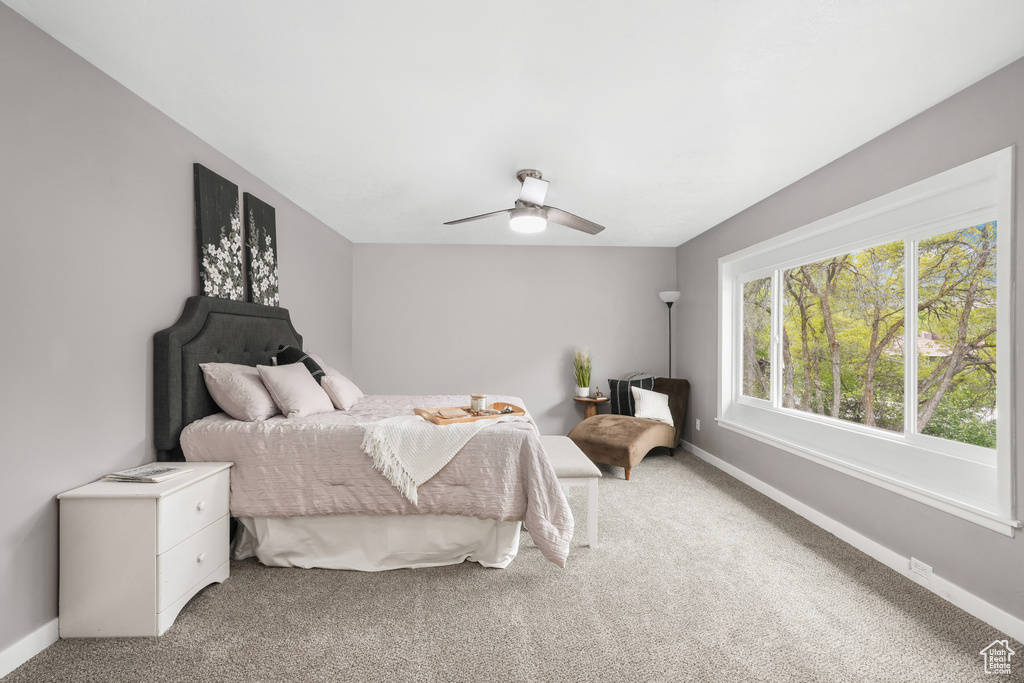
column 222, row 264
column 261, row 251
column 262, row 266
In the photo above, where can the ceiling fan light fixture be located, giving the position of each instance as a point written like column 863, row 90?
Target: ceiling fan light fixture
column 528, row 219
column 530, row 214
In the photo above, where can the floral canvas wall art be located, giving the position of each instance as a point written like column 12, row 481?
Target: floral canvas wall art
column 219, row 229
column 261, row 251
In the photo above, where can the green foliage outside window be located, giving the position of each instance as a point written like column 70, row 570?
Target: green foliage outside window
column 757, row 331
column 843, row 336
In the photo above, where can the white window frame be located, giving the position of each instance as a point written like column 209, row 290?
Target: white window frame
column 968, row 481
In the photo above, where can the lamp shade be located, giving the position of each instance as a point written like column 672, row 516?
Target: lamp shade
column 527, row 219
column 670, row 297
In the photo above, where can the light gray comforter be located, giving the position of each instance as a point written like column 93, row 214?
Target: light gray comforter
column 315, row 465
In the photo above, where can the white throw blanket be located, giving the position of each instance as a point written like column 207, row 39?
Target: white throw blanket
column 408, row 450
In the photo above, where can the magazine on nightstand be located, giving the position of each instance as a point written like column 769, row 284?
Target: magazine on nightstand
column 147, row 474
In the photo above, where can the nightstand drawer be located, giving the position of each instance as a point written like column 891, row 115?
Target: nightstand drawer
column 192, row 560
column 184, row 512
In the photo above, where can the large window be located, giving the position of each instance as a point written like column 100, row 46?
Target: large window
column 876, row 341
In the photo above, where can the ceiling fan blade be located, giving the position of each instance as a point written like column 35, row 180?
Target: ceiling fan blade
column 476, row 218
column 570, row 221
column 534, row 190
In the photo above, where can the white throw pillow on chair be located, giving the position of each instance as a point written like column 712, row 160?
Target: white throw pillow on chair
column 652, row 405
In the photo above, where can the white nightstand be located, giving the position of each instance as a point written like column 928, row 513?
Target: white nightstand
column 132, row 555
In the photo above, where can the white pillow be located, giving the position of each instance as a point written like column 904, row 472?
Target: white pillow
column 294, row 390
column 652, row 405
column 343, row 392
column 239, row 391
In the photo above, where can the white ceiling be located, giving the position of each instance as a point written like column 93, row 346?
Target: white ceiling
column 657, row 119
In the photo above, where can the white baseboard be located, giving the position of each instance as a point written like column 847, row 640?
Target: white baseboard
column 28, row 647
column 947, row 590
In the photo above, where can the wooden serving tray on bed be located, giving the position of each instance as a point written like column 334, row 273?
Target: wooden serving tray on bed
column 434, row 414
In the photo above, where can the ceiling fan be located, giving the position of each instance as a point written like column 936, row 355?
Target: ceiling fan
column 530, row 215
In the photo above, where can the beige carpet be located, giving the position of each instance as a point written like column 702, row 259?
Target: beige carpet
column 698, row 578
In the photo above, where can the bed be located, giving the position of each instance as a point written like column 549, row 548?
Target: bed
column 305, row 494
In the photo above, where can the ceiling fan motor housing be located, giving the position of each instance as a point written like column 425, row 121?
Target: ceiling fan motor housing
column 534, row 190
column 528, row 173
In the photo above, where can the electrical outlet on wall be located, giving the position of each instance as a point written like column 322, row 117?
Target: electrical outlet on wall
column 920, row 568
column 698, row 425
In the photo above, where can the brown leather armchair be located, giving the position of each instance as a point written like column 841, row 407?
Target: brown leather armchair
column 623, row 440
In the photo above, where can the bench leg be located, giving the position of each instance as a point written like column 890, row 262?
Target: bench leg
column 592, row 513
column 627, row 474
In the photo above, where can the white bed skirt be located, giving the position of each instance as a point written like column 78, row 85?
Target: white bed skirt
column 375, row 543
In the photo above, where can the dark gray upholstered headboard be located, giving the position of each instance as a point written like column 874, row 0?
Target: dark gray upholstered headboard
column 209, row 330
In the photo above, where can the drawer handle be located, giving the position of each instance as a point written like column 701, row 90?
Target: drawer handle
column 200, row 557
column 200, row 506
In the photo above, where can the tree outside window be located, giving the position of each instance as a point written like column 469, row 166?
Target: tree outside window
column 956, row 379
column 757, row 331
column 843, row 318
column 843, row 330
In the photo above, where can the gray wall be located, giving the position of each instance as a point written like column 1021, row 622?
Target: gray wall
column 979, row 120
column 506, row 320
column 98, row 254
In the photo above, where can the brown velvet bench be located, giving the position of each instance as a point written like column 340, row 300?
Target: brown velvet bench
column 623, row 440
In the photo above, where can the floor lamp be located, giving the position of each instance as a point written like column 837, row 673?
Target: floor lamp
column 669, row 298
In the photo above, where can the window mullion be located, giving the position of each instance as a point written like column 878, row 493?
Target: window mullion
column 910, row 273
column 737, row 326
column 776, row 337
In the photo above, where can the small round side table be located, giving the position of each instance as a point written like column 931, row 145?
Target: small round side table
column 591, row 403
